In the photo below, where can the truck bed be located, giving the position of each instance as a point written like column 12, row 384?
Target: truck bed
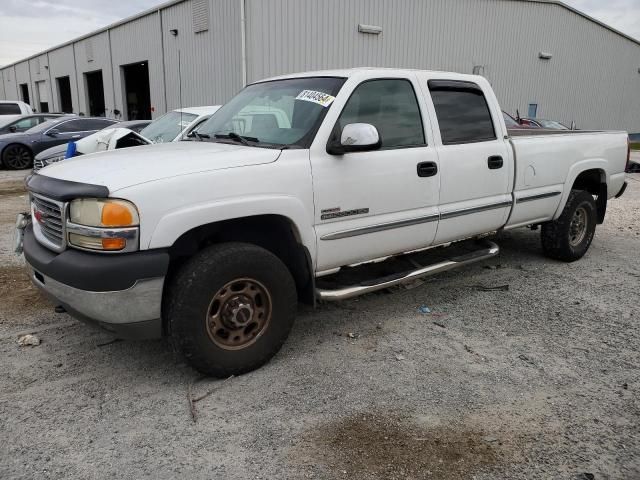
column 534, row 132
column 548, row 161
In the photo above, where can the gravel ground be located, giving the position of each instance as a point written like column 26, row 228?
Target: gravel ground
column 537, row 381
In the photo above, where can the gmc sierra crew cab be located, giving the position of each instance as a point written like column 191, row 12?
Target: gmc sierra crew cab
column 213, row 241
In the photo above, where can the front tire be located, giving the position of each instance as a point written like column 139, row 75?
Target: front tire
column 17, row 157
column 231, row 308
column 568, row 238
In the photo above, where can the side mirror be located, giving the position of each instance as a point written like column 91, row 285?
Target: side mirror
column 54, row 132
column 355, row 137
column 13, row 128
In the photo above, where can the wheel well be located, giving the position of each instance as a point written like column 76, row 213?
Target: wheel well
column 594, row 182
column 271, row 232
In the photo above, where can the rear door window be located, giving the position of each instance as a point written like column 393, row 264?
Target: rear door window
column 462, row 111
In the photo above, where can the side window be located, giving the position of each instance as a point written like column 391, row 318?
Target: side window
column 462, row 111
column 94, row 124
column 9, row 109
column 391, row 106
column 26, row 124
column 71, row 126
column 84, row 125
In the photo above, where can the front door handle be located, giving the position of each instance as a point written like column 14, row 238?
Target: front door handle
column 427, row 169
column 495, row 162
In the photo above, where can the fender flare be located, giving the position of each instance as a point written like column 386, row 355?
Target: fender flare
column 575, row 170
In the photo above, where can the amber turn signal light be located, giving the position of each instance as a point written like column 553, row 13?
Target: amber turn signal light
column 116, row 215
column 113, row 243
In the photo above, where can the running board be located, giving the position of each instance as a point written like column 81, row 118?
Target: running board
column 489, row 250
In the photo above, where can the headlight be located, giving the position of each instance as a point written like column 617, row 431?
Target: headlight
column 103, row 224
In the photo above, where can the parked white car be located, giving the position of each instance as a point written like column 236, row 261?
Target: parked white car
column 215, row 241
column 11, row 109
column 171, row 127
column 177, row 124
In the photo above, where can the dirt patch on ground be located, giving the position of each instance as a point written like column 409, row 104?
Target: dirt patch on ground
column 388, row 446
column 10, row 188
column 19, row 296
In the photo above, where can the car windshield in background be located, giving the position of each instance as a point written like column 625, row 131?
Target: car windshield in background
column 552, row 124
column 9, row 109
column 274, row 114
column 510, row 121
column 167, row 127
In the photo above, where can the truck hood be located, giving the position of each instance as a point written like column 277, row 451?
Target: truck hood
column 126, row 167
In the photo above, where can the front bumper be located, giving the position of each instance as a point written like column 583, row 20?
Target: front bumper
column 120, row 293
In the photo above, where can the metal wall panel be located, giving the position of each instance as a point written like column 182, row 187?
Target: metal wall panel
column 138, row 41
column 39, row 72
column 92, row 54
column 22, row 76
column 61, row 64
column 210, row 69
column 592, row 78
column 10, row 84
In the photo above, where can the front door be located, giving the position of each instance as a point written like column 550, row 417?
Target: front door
column 475, row 161
column 377, row 203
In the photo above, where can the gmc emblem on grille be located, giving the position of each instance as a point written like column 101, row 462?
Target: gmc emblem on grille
column 39, row 215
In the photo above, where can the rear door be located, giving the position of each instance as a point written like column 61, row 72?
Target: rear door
column 376, row 203
column 474, row 157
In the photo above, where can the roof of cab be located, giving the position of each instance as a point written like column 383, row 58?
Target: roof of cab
column 374, row 72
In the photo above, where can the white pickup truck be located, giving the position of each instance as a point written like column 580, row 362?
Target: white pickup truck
column 214, row 241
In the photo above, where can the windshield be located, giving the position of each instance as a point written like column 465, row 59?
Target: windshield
column 274, row 114
column 167, row 127
column 552, row 124
column 510, row 121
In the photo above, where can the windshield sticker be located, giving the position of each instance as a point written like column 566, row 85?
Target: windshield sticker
column 320, row 98
column 184, row 123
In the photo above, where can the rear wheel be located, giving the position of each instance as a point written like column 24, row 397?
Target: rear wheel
column 17, row 157
column 568, row 238
column 231, row 308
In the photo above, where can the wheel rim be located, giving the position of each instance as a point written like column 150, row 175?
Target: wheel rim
column 239, row 314
column 578, row 227
column 17, row 157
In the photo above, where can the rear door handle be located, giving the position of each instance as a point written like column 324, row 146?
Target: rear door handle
column 494, row 162
column 427, row 169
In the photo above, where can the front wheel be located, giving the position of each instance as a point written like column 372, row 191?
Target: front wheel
column 17, row 157
column 568, row 238
column 230, row 308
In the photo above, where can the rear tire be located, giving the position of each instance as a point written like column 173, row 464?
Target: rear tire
column 17, row 157
column 568, row 238
column 231, row 308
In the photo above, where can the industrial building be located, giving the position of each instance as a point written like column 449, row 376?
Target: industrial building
column 542, row 57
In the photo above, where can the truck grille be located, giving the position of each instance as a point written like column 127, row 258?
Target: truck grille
column 43, row 162
column 49, row 220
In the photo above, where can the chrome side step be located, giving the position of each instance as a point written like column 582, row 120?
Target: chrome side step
column 490, row 249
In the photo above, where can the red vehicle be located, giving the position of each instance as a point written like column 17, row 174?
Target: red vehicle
column 513, row 123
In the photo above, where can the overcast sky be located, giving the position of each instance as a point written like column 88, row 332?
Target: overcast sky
column 30, row 26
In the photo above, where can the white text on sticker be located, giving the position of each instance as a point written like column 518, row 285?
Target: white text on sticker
column 320, row 98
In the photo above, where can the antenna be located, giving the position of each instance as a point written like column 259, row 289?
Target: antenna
column 180, row 88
